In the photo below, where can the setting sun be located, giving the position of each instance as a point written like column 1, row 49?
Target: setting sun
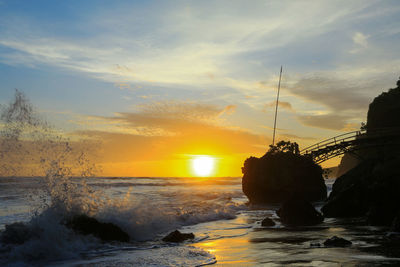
column 203, row 165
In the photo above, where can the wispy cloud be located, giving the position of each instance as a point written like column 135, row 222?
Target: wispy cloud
column 230, row 49
column 162, row 130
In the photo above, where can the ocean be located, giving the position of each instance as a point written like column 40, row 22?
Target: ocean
column 227, row 230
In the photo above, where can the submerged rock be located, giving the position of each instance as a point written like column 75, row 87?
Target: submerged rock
column 177, row 237
column 267, row 222
column 337, row 242
column 85, row 225
column 281, row 173
column 315, row 245
column 298, row 212
column 16, row 233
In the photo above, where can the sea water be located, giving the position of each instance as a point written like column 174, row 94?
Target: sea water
column 227, row 230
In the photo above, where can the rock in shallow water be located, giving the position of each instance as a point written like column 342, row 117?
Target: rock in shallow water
column 337, row 242
column 267, row 222
column 298, row 212
column 177, row 237
column 85, row 225
column 281, row 173
column 16, row 233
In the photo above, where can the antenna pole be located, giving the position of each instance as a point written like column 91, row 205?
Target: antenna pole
column 276, row 106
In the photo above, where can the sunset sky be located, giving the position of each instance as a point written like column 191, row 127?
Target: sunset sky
column 157, row 83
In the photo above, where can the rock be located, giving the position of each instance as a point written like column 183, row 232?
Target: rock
column 370, row 190
column 348, row 162
column 15, row 233
column 177, row 237
column 267, row 222
column 315, row 245
column 85, row 225
column 395, row 227
column 385, row 109
column 298, row 212
column 337, row 242
column 281, row 173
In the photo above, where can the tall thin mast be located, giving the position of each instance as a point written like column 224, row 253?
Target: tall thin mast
column 276, row 106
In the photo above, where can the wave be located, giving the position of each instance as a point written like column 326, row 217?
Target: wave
column 129, row 184
column 47, row 239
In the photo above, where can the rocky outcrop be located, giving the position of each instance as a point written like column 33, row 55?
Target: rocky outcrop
column 347, row 162
column 372, row 188
column 298, row 212
column 280, row 174
column 385, row 109
column 177, row 237
column 85, row 225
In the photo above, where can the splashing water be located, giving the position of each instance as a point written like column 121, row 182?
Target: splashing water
column 29, row 146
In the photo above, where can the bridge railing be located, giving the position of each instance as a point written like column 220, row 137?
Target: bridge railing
column 351, row 136
column 333, row 141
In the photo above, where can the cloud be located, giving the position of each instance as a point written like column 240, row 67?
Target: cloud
column 339, row 103
column 329, row 121
column 204, row 50
column 360, row 39
column 282, row 104
column 229, row 109
column 162, row 130
column 296, row 137
column 333, row 93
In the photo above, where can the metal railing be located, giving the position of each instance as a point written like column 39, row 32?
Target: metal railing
column 348, row 139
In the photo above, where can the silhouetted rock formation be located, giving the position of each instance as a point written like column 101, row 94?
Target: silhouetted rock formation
column 347, row 163
column 280, row 174
column 177, row 237
column 85, row 225
column 267, row 222
column 372, row 189
column 337, row 242
column 385, row 109
column 299, row 212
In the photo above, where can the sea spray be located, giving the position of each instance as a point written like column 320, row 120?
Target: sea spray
column 31, row 147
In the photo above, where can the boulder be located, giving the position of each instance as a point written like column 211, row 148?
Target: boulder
column 177, row 237
column 337, row 242
column 299, row 212
column 85, row 225
column 267, row 222
column 16, row 233
column 280, row 174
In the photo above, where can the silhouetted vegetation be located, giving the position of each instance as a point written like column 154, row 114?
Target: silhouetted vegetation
column 281, row 173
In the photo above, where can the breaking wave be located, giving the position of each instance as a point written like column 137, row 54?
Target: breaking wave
column 30, row 147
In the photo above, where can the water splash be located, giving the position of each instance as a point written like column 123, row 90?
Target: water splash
column 29, row 146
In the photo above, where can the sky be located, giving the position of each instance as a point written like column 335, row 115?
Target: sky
column 158, row 83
